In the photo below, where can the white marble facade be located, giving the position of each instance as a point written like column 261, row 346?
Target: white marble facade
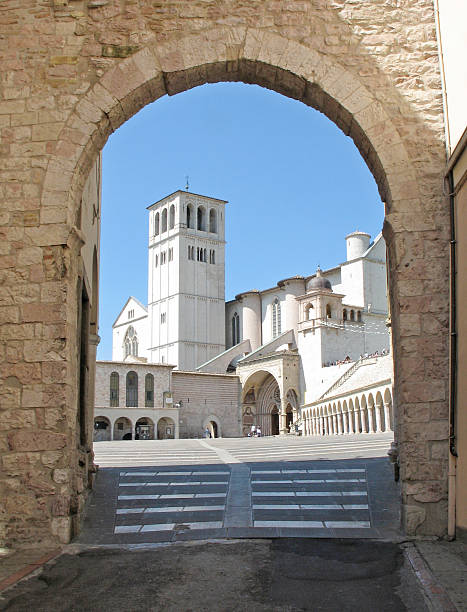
column 334, row 316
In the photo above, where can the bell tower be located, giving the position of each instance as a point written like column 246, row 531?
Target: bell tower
column 186, row 279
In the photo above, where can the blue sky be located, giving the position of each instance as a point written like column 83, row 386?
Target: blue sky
column 296, row 185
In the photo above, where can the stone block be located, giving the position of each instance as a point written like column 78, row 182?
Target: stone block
column 61, row 476
column 414, row 517
column 38, row 440
column 61, row 527
column 52, row 458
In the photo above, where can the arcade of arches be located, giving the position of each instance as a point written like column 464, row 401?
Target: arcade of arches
column 74, row 72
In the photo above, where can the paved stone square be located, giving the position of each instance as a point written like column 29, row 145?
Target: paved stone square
column 161, row 491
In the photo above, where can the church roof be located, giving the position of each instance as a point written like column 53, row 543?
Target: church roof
column 197, row 195
column 125, row 305
column 319, row 282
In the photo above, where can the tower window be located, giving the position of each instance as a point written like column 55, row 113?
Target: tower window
column 276, row 318
column 212, row 256
column 201, row 214
column 235, row 329
column 172, row 217
column 171, row 254
column 308, row 312
column 156, row 224
column 352, row 315
column 344, row 314
column 189, row 216
column 213, row 221
column 163, row 317
column 164, row 220
column 328, row 311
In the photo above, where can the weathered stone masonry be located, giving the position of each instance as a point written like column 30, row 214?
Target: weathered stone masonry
column 72, row 71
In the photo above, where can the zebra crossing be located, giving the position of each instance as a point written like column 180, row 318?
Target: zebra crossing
column 159, row 491
column 171, row 500
column 310, row 498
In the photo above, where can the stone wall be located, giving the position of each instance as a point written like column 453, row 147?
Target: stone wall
column 207, row 397
column 72, row 71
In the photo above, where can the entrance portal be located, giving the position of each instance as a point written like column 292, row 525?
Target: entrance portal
column 275, row 421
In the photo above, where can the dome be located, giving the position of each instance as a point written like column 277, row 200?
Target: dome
column 319, row 282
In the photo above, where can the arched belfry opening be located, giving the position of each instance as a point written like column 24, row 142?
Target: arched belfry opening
column 399, row 136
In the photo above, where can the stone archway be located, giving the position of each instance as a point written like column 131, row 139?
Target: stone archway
column 123, row 429
column 102, row 429
column 165, row 429
column 80, row 97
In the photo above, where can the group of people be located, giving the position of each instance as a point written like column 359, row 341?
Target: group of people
column 364, row 356
column 337, row 362
column 255, row 432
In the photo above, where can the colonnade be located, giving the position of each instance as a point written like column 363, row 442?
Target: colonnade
column 367, row 412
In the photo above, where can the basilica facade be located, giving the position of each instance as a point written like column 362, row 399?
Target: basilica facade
column 263, row 358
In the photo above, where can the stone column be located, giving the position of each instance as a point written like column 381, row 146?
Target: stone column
column 335, row 424
column 351, row 422
column 340, row 422
column 356, row 415
column 363, row 420
column 378, row 416
column 387, row 418
column 371, row 426
column 283, row 417
column 345, row 422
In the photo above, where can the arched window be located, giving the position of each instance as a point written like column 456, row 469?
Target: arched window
column 164, row 220
column 132, row 389
column 212, row 256
column 352, row 315
column 344, row 314
column 156, row 224
column 172, row 217
column 130, row 342
column 308, row 312
column 235, row 329
column 205, row 258
column 201, row 219
column 114, row 382
column 328, row 311
column 359, row 316
column 276, row 318
column 213, row 221
column 149, row 391
column 189, row 216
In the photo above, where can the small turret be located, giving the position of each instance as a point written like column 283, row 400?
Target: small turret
column 357, row 244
